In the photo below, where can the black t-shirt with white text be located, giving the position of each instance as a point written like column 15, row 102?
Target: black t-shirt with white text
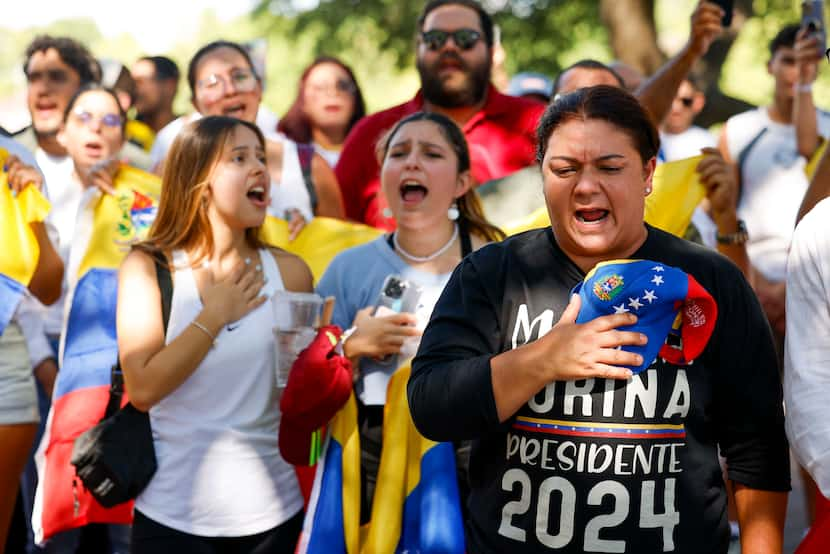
column 599, row 465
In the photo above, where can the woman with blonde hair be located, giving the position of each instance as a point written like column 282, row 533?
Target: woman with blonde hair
column 209, row 383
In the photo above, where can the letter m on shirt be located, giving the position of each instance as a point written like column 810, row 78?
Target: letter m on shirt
column 523, row 331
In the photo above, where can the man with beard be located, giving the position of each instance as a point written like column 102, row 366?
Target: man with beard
column 454, row 58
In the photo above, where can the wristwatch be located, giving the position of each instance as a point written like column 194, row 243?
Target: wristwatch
column 740, row 236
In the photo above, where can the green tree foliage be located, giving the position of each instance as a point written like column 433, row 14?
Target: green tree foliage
column 537, row 34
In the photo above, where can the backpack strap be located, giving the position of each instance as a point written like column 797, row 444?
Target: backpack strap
column 305, row 152
column 165, row 284
column 743, row 155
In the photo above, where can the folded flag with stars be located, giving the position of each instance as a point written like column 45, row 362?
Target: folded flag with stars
column 676, row 313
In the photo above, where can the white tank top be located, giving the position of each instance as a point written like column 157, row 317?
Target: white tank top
column 220, row 472
column 291, row 191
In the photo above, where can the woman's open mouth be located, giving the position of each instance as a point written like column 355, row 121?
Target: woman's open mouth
column 258, row 194
column 591, row 216
column 413, row 192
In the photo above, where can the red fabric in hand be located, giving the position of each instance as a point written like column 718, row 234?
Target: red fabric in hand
column 319, row 384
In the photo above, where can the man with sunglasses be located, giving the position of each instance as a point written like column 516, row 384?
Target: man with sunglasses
column 454, row 49
column 679, row 138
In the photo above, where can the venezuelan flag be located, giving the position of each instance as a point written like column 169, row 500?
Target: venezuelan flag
column 416, row 507
column 676, row 192
column 89, row 349
column 20, row 252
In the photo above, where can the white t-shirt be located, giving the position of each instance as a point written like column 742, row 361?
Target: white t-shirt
column 331, row 156
column 220, row 472
column 807, row 351
column 291, row 191
column 686, row 144
column 773, row 185
column 65, row 195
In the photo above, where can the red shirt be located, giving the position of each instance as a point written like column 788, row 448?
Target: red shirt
column 501, row 137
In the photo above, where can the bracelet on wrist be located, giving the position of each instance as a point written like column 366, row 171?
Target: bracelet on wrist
column 803, row 87
column 206, row 331
column 740, row 236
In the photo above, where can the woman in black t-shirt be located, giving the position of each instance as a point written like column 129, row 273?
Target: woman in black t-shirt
column 563, row 459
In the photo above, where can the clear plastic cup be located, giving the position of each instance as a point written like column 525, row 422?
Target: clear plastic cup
column 297, row 316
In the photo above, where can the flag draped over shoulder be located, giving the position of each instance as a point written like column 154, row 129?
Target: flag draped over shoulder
column 416, row 507
column 319, row 241
column 107, row 226
column 19, row 250
column 676, row 192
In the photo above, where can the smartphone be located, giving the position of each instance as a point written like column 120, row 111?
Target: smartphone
column 812, row 19
column 727, row 6
column 397, row 295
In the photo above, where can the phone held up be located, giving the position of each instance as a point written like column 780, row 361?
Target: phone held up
column 398, row 295
column 812, row 19
column 727, row 6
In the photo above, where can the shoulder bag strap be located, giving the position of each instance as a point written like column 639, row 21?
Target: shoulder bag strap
column 742, row 156
column 306, row 154
column 165, row 284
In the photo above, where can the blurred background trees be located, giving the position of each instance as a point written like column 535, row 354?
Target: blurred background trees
column 376, row 38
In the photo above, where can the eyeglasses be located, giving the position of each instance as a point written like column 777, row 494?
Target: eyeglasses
column 214, row 86
column 341, row 86
column 686, row 101
column 463, row 38
column 107, row 120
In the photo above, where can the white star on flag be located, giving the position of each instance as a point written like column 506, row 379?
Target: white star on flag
column 657, row 268
column 658, row 280
column 650, row 296
column 621, row 309
column 635, row 303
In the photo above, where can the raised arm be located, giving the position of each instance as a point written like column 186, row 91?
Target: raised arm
column 658, row 92
column 807, row 55
column 819, row 188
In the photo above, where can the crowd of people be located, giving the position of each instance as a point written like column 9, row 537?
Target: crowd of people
column 577, row 420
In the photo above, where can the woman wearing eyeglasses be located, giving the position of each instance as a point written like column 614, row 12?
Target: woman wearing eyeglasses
column 328, row 104
column 223, row 81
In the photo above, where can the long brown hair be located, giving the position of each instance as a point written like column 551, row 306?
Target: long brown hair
column 296, row 125
column 470, row 212
column 182, row 220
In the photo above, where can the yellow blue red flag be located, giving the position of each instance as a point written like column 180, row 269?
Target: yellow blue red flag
column 107, row 226
column 416, row 506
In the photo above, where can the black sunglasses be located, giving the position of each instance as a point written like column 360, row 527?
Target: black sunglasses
column 463, row 38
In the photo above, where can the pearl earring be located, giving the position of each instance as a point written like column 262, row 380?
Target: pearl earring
column 453, row 212
column 386, row 212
